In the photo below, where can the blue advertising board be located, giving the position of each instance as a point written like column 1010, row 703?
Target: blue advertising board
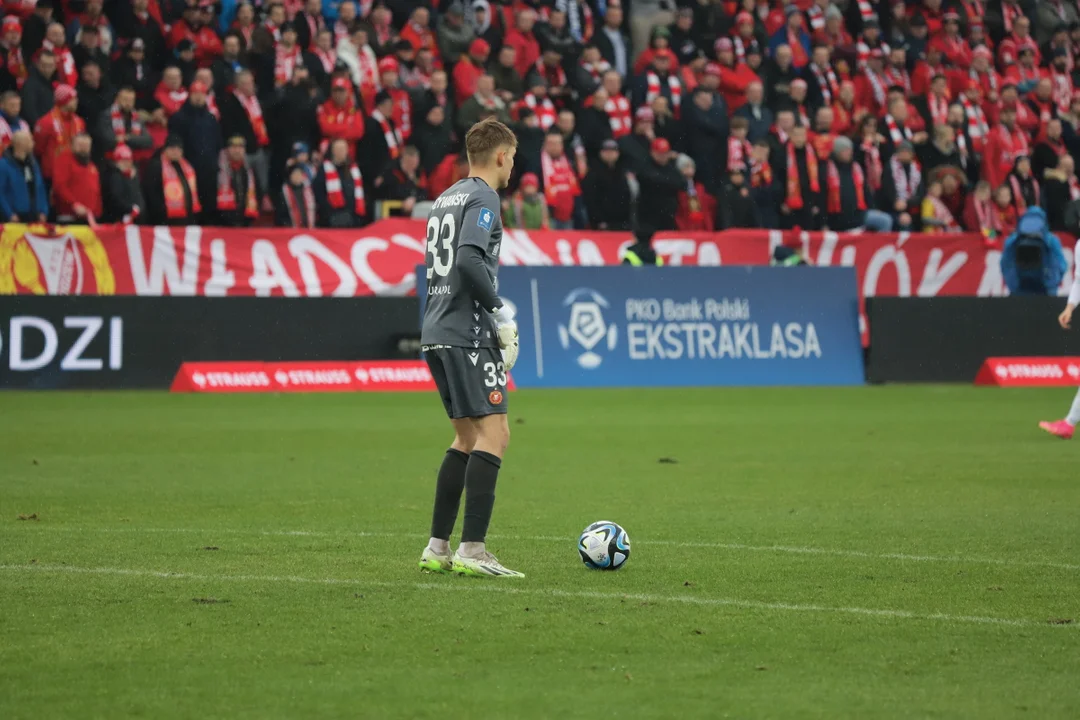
column 684, row 326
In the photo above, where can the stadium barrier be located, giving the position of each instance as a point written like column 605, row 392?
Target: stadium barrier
column 948, row 339
column 657, row 327
column 126, row 342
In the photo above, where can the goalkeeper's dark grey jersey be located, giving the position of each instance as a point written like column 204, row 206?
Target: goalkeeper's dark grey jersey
column 466, row 214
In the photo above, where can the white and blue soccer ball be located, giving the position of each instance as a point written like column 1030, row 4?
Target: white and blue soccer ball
column 604, row 545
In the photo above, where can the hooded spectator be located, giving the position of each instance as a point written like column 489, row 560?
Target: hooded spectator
column 526, row 209
column 54, row 132
column 297, row 207
column 23, row 197
column 469, row 69
column 606, row 191
column 121, row 190
column 736, row 204
column 455, row 36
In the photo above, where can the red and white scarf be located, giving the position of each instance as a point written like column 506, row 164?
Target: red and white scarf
column 827, row 81
column 391, row 135
column 1018, row 194
column 738, row 154
column 65, row 63
column 965, row 152
column 816, row 16
column 866, row 10
column 879, row 85
column 119, row 128
column 990, row 75
column 275, row 31
column 596, row 70
column 652, row 91
column 978, row 128
column 740, row 48
column 402, row 112
column 253, row 109
column 896, row 134
column 760, row 173
column 15, row 65
column 544, row 109
column 226, row 194
column 212, row 106
column 555, row 76
column 862, row 52
column 175, row 206
column 341, row 31
column 307, row 220
column 560, row 185
column 794, row 197
column 906, row 182
column 335, row 194
column 943, row 215
column 1074, row 187
column 1009, row 14
column 1016, row 140
column 618, row 112
column 1063, row 89
column 328, row 59
column 315, row 24
column 6, row 131
column 987, row 218
column 834, row 204
column 939, row 108
column 285, row 62
column 899, row 76
column 874, row 168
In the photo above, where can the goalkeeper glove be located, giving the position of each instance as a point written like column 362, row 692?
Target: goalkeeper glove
column 507, row 332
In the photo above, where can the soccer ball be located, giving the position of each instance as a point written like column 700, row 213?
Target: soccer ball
column 604, row 546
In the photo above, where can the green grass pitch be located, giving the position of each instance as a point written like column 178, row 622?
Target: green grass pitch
column 888, row 552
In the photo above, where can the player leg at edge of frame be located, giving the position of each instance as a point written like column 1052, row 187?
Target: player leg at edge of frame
column 449, row 485
column 1064, row 428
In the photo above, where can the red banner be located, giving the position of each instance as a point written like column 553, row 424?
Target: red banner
column 368, row 376
column 380, row 259
column 1030, row 372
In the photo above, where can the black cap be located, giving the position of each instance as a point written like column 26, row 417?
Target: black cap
column 383, row 96
column 871, row 22
column 287, row 27
column 609, row 145
column 184, row 46
column 174, row 140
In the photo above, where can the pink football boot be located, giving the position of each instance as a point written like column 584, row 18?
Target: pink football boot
column 1058, row 428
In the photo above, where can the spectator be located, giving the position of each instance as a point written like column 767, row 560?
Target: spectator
column 606, row 191
column 555, row 39
column 135, row 23
column 35, row 27
column 936, row 216
column 88, row 49
column 508, row 83
column 433, row 137
column 242, row 114
column 226, row 67
column 736, row 205
column 897, row 127
column 823, row 86
column 170, row 93
column 122, row 124
column 794, row 36
column 95, row 94
column 524, row 42
column 483, row 101
column 55, row 131
column 756, row 113
column 641, row 253
column 614, row 44
column 901, row 187
column 237, row 202
column 1061, row 190
column 10, row 122
column 1025, row 188
column 1006, row 142
column 121, row 189
column 278, row 65
column 12, row 65
column 526, row 209
column 779, row 73
column 660, row 181
column 934, row 106
column 469, row 70
column 401, row 108
column 872, row 83
column 591, row 70
column 195, row 28
column 339, row 190
column 797, row 102
column 356, row 53
column 979, row 215
column 551, row 72
column 297, row 204
column 735, row 77
column 683, row 38
column 77, row 184
column 404, row 181
column 658, row 81
column 200, row 134
column 309, row 23
column 133, row 70
column 706, row 129
column 338, row 117
column 22, row 186
column 696, row 208
column 1050, row 15
column 37, row 91
column 417, row 31
column 455, row 37
column 802, row 207
column 561, row 188
column 942, row 152
column 382, row 139
column 56, row 43
column 1049, row 148
column 171, row 187
column 1004, row 210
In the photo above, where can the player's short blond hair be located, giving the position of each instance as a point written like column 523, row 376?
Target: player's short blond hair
column 485, row 138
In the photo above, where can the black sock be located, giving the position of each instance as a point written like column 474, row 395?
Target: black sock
column 480, row 478
column 448, row 488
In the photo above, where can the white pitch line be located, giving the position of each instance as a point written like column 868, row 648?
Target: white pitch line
column 482, row 586
column 789, row 549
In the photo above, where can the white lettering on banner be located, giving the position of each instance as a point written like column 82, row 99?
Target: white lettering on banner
column 73, row 359
column 675, row 249
column 221, row 277
column 648, row 309
column 829, row 241
column 393, row 375
column 255, row 378
column 672, row 341
column 1030, row 371
column 888, row 254
column 519, row 249
column 164, row 276
column 935, row 276
column 267, row 271
column 336, row 376
column 991, row 284
column 306, row 249
column 359, row 257
column 708, row 254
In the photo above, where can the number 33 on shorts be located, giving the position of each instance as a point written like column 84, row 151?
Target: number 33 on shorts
column 495, row 380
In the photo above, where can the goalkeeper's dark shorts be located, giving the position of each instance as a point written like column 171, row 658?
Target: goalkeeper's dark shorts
column 471, row 382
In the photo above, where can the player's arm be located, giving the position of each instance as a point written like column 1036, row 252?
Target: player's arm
column 1065, row 318
column 477, row 222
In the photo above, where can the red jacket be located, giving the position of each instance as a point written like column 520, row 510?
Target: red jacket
column 695, row 216
column 528, row 50
column 419, row 38
column 466, row 73
column 733, row 84
column 207, row 43
column 53, row 135
column 345, row 123
column 956, row 51
column 76, row 183
column 1001, row 151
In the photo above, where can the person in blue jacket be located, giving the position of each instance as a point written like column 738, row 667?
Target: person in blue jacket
column 1032, row 261
column 22, row 189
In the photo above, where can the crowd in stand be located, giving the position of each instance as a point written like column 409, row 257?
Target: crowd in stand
column 931, row 115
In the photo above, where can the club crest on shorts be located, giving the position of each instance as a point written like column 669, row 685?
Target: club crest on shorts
column 495, row 397
column 485, row 219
